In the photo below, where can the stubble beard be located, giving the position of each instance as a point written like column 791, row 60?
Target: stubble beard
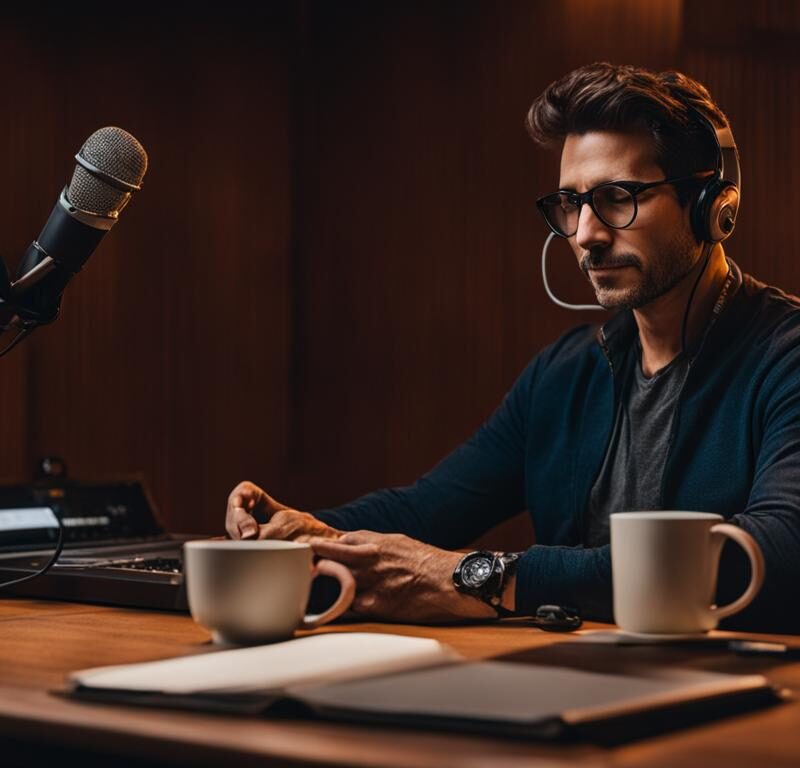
column 665, row 270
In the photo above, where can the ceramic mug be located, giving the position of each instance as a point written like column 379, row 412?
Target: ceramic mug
column 665, row 565
column 257, row 591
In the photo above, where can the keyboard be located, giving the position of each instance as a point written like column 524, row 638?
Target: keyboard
column 150, row 564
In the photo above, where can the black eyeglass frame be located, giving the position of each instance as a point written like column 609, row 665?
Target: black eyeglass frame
column 633, row 188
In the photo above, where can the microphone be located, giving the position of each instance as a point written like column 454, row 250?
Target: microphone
column 110, row 167
column 549, row 290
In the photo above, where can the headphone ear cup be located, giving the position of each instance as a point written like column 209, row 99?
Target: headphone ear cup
column 702, row 209
column 714, row 211
column 723, row 213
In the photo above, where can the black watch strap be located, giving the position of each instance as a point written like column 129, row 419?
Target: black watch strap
column 508, row 562
column 503, row 566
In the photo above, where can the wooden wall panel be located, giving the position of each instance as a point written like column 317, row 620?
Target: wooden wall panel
column 29, row 97
column 332, row 274
column 422, row 298
column 171, row 356
column 752, row 68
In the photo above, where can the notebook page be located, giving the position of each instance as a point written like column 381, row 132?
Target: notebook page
column 315, row 659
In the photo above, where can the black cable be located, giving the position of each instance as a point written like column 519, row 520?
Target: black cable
column 17, row 339
column 25, row 331
column 48, row 565
column 708, row 248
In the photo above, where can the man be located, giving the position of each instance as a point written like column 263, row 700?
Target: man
column 689, row 398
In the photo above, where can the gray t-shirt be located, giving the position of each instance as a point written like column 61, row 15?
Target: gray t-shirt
column 630, row 478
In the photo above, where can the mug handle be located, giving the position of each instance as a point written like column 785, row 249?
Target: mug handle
column 348, row 591
column 749, row 545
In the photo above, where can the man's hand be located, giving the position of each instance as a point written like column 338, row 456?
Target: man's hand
column 402, row 579
column 248, row 500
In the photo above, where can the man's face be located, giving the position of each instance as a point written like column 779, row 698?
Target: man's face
column 631, row 267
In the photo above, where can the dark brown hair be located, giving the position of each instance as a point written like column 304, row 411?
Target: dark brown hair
column 615, row 97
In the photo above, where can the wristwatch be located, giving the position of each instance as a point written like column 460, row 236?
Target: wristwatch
column 485, row 575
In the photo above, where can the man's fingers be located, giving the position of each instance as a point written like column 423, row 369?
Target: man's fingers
column 344, row 553
column 254, row 501
column 245, row 494
column 274, row 530
column 240, row 524
column 282, row 526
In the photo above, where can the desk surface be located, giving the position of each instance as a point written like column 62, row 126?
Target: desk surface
column 42, row 641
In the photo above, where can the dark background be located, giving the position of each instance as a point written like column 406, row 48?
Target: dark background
column 331, row 276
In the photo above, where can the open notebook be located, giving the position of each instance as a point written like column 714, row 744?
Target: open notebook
column 397, row 680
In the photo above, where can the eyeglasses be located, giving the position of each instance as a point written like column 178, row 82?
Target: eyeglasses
column 613, row 202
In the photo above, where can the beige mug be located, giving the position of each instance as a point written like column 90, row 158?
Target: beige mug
column 664, row 570
column 257, row 591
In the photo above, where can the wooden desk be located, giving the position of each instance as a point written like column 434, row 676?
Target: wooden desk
column 41, row 641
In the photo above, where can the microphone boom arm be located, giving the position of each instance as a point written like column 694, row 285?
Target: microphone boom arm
column 547, row 289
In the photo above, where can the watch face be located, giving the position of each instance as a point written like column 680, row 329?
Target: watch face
column 476, row 572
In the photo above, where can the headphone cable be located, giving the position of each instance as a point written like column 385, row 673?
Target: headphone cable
column 707, row 247
column 48, row 565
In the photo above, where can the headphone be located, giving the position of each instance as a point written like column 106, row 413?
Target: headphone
column 713, row 214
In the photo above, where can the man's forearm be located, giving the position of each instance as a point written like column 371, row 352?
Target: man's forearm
column 573, row 576
column 431, row 511
column 509, row 594
column 478, row 485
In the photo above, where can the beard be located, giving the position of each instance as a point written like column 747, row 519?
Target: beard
column 667, row 267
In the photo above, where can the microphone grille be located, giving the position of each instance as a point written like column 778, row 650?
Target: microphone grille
column 116, row 154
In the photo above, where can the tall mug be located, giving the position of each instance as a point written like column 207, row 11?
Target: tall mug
column 665, row 566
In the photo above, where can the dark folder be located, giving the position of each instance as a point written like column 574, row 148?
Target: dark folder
column 541, row 702
column 504, row 697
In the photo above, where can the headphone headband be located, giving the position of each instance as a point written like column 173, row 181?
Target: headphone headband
column 728, row 165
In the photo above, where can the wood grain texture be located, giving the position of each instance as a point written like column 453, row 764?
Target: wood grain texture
column 171, row 355
column 753, row 72
column 422, row 299
column 331, row 276
column 40, row 645
column 30, row 102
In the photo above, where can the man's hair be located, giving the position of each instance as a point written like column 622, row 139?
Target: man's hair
column 612, row 97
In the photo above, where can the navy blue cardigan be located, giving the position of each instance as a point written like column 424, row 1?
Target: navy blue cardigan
column 735, row 450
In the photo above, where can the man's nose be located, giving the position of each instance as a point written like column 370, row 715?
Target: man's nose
column 592, row 232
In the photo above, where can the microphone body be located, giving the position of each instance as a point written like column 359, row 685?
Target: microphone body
column 50, row 262
column 110, row 167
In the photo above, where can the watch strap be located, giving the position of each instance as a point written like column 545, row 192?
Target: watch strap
column 508, row 562
column 504, row 565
